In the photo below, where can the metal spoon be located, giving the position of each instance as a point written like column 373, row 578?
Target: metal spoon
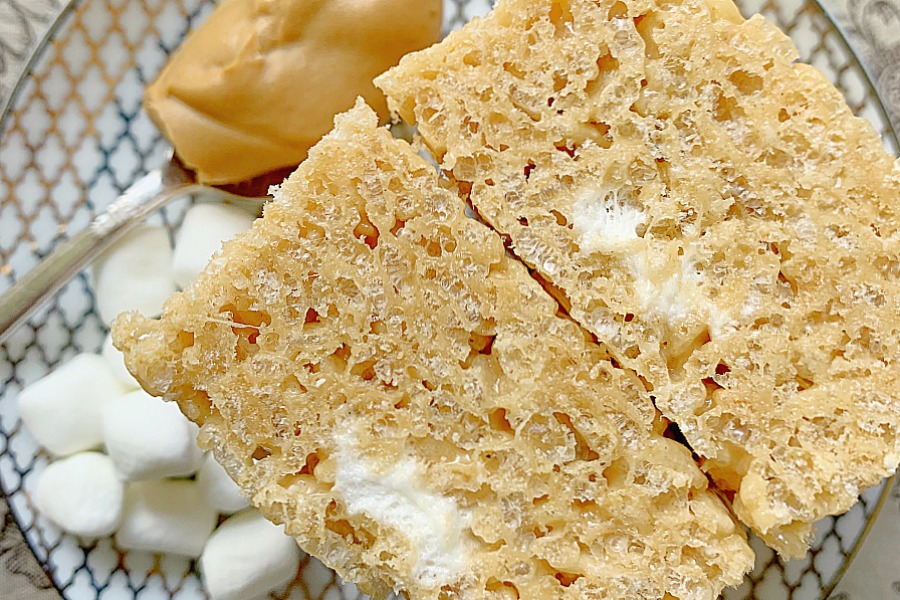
column 144, row 197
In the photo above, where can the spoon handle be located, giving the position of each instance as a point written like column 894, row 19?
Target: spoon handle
column 29, row 293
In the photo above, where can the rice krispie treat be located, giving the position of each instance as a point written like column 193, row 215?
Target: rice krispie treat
column 372, row 367
column 710, row 209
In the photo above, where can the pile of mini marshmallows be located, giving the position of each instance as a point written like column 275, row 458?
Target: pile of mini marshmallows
column 151, row 485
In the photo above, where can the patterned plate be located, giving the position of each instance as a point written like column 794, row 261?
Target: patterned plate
column 73, row 137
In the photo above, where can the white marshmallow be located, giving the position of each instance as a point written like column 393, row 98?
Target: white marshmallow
column 116, row 361
column 165, row 516
column 204, row 229
column 62, row 410
column 135, row 274
column 82, row 494
column 148, row 438
column 248, row 556
column 219, row 489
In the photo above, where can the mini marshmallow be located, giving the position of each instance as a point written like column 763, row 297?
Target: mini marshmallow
column 135, row 274
column 148, row 438
column 219, row 490
column 81, row 494
column 116, row 361
column 205, row 228
column 165, row 516
column 62, row 410
column 248, row 556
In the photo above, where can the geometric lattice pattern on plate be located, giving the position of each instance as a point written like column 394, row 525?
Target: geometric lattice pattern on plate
column 76, row 137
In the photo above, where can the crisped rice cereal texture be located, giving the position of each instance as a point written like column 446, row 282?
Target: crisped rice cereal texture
column 370, row 365
column 710, row 209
